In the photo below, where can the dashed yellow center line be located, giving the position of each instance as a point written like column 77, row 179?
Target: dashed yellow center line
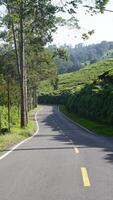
column 76, row 150
column 85, row 177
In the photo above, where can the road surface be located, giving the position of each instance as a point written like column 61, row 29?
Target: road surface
column 62, row 162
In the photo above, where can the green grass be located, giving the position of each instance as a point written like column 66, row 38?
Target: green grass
column 94, row 126
column 18, row 134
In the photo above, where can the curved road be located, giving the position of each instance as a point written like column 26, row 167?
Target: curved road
column 62, row 162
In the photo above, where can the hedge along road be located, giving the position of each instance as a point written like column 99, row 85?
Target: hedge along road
column 61, row 162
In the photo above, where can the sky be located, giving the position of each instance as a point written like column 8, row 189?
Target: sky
column 101, row 23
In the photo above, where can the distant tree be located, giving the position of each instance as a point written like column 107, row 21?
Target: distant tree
column 41, row 66
column 81, row 55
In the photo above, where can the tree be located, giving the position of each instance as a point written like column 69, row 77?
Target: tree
column 41, row 67
column 9, row 74
column 29, row 22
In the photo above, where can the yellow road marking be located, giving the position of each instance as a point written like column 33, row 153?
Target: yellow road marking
column 76, row 150
column 85, row 177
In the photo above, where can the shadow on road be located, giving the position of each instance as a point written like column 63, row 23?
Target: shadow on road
column 41, row 149
column 58, row 128
column 79, row 137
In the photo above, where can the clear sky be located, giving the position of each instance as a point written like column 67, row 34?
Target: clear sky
column 101, row 23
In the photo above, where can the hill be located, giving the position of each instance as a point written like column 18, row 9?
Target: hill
column 88, row 92
column 69, row 82
column 81, row 55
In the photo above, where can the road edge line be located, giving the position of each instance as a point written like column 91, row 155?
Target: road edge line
column 91, row 132
column 22, row 142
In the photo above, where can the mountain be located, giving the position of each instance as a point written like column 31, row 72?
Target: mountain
column 81, row 55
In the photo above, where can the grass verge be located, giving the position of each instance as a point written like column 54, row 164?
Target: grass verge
column 96, row 127
column 18, row 134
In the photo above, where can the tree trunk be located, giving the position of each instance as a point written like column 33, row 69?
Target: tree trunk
column 30, row 99
column 0, row 122
column 20, row 59
column 34, row 98
column 8, row 104
column 23, row 71
column 18, row 109
column 26, row 94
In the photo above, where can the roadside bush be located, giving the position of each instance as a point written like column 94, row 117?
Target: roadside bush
column 4, row 116
column 93, row 104
column 88, row 92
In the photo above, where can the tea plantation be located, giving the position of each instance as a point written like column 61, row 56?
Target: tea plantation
column 88, row 92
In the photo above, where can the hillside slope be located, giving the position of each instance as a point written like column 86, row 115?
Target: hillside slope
column 70, row 81
column 88, row 92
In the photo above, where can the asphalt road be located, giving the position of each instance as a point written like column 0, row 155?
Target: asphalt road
column 62, row 162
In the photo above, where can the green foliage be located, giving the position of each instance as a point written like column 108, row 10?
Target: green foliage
column 100, row 4
column 3, row 111
column 72, row 82
column 86, row 36
column 94, row 102
column 81, row 55
column 17, row 134
column 97, row 127
column 4, row 115
column 88, row 92
column 29, row 26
